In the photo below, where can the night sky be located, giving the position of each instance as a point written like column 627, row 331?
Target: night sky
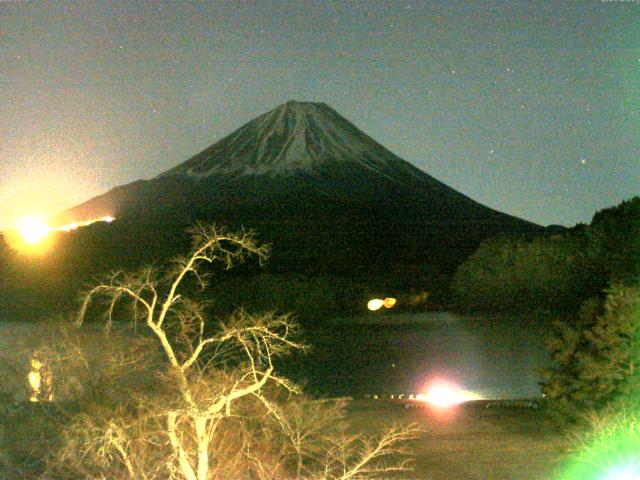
column 529, row 107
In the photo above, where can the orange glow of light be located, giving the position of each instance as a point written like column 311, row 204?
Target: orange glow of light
column 445, row 395
column 375, row 304
column 40, row 382
column 389, row 302
column 33, row 229
column 75, row 225
column 32, row 234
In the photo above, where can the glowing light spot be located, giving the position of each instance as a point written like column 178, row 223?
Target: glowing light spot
column 33, row 229
column 444, row 395
column 375, row 304
column 418, row 298
column 69, row 227
column 40, row 382
column 32, row 234
column 609, row 450
column 623, row 472
column 75, row 225
column 389, row 302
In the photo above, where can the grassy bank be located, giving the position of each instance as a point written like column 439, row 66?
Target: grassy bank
column 472, row 442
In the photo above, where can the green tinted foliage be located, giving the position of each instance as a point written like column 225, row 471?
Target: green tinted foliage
column 553, row 272
column 614, row 242
column 596, row 354
column 516, row 274
column 608, row 450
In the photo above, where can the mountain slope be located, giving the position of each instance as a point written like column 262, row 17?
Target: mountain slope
column 326, row 195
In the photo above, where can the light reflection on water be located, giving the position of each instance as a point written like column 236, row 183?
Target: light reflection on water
column 494, row 356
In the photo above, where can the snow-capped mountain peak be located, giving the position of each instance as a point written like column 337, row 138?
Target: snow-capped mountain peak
column 294, row 137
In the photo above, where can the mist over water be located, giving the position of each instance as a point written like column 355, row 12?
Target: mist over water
column 494, row 356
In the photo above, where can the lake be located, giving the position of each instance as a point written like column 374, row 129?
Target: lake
column 494, row 356
column 387, row 353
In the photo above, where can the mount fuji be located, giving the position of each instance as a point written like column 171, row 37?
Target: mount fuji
column 325, row 195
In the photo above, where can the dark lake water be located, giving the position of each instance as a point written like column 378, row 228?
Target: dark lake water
column 494, row 356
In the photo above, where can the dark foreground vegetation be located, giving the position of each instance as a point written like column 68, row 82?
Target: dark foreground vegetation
column 589, row 277
column 174, row 394
column 474, row 441
column 470, row 442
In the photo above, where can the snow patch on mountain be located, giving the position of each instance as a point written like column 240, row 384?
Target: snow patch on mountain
column 294, row 137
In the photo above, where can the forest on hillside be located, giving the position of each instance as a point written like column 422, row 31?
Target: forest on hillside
column 556, row 273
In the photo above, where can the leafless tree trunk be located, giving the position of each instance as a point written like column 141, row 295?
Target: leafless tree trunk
column 259, row 338
column 214, row 375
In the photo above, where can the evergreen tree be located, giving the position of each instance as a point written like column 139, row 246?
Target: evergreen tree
column 614, row 242
column 512, row 274
column 596, row 354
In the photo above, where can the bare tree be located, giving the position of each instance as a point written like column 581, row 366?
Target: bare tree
column 204, row 416
column 358, row 457
column 207, row 387
column 315, row 438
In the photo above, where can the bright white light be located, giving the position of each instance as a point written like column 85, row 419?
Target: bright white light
column 32, row 233
column 623, row 472
column 375, row 304
column 444, row 395
column 33, row 229
column 75, row 225
column 69, row 227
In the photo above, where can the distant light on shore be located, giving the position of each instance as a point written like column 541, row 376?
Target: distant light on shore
column 444, row 394
column 32, row 233
column 389, row 302
column 377, row 303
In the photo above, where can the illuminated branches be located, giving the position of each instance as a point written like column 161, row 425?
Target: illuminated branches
column 319, row 448
column 360, row 457
column 217, row 408
column 210, row 372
